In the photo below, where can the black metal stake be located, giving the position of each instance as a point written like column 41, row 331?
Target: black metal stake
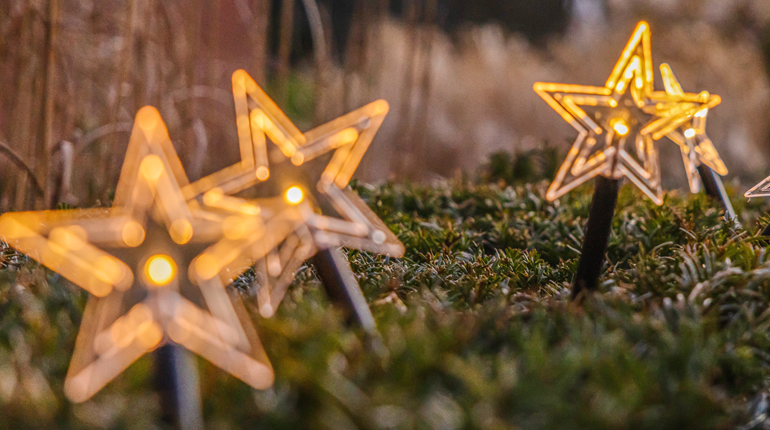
column 597, row 234
column 176, row 376
column 714, row 187
column 343, row 289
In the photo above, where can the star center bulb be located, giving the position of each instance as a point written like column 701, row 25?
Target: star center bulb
column 160, row 269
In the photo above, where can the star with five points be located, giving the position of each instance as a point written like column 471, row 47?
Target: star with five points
column 690, row 134
column 610, row 119
column 311, row 171
column 135, row 259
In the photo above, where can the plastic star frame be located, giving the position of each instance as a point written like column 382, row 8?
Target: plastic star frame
column 762, row 189
column 690, row 135
column 150, row 263
column 618, row 123
column 333, row 214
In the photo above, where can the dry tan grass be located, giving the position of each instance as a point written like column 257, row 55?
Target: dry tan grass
column 452, row 101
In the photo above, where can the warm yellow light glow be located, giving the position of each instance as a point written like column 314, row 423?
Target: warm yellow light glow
column 297, row 159
column 687, row 130
column 70, row 238
column 344, row 137
column 107, row 269
column 181, row 231
column 152, row 187
column 286, row 237
column 133, row 234
column 657, row 113
column 620, row 126
column 206, row 266
column 151, row 167
column 294, row 195
column 235, row 227
column 263, row 173
column 148, row 118
column 380, row 107
column 160, row 269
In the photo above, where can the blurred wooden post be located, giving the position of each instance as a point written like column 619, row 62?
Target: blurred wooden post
column 43, row 153
column 286, row 32
column 403, row 151
column 24, row 101
column 67, row 159
column 111, row 159
column 320, row 53
column 260, row 26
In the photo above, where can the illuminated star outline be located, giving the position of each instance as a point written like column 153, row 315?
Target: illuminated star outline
column 149, row 214
column 601, row 146
column 258, row 118
column 691, row 135
column 633, row 72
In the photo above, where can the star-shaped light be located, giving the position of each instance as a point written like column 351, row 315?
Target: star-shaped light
column 136, row 259
column 762, row 189
column 690, row 134
column 333, row 214
column 618, row 123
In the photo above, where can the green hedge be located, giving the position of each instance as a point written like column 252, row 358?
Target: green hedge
column 476, row 321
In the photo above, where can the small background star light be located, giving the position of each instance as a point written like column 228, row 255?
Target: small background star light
column 135, row 259
column 762, row 189
column 333, row 214
column 690, row 133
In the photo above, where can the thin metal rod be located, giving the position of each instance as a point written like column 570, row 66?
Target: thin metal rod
column 342, row 288
column 714, row 187
column 176, row 375
column 597, row 234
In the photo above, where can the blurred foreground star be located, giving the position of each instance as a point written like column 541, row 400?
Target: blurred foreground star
column 333, row 214
column 135, row 259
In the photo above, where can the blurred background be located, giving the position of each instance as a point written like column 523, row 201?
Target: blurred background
column 458, row 76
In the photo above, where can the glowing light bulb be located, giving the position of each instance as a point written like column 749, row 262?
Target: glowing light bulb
column 160, row 269
column 294, row 195
column 689, row 133
column 620, row 126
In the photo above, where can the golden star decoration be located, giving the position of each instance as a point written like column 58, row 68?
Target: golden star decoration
column 136, row 259
column 618, row 123
column 691, row 135
column 337, row 217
